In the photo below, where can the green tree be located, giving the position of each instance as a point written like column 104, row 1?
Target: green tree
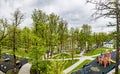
column 38, row 50
column 62, row 29
column 17, row 19
column 26, row 38
column 3, row 31
column 52, row 29
column 85, row 37
column 72, row 43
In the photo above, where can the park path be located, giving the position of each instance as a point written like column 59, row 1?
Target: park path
column 1, row 72
column 25, row 69
column 81, row 54
column 64, row 59
column 81, row 59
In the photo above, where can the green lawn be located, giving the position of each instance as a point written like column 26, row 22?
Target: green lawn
column 65, row 55
column 19, row 52
column 68, row 63
column 94, row 56
column 97, row 51
column 80, row 65
column 6, row 51
column 62, row 55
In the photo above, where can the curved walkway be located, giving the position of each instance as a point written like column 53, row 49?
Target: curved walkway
column 1, row 72
column 83, row 58
column 25, row 69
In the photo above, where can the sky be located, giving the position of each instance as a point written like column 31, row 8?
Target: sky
column 75, row 12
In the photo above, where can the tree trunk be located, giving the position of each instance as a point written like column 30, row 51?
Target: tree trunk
column 14, row 48
column 0, row 51
column 117, row 38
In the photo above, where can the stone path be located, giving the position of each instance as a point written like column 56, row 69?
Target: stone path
column 81, row 54
column 83, row 58
column 25, row 69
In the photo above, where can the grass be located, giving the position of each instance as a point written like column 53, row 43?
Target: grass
column 94, row 56
column 65, row 55
column 80, row 65
column 6, row 51
column 62, row 55
column 19, row 52
column 97, row 51
column 68, row 63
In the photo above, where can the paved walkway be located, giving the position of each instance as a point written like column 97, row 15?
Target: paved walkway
column 83, row 58
column 64, row 59
column 1, row 72
column 25, row 69
column 81, row 54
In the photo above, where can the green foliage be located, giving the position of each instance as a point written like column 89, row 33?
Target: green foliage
column 62, row 56
column 42, row 67
column 39, row 51
column 56, row 67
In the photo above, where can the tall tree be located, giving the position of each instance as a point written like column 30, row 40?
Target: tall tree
column 39, row 29
column 26, row 38
column 53, row 28
column 86, row 29
column 72, row 39
column 76, row 33
column 17, row 20
column 62, row 29
column 3, row 31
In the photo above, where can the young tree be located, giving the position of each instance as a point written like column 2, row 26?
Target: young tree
column 76, row 33
column 62, row 29
column 52, row 29
column 72, row 39
column 17, row 20
column 26, row 38
column 3, row 31
column 86, row 30
column 39, row 29
column 109, row 8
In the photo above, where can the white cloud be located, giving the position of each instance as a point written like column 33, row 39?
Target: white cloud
column 75, row 12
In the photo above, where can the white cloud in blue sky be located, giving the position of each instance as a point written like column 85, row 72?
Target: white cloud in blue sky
column 75, row 12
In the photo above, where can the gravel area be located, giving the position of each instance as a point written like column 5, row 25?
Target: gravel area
column 25, row 69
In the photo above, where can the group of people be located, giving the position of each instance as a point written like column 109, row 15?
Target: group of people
column 104, row 59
